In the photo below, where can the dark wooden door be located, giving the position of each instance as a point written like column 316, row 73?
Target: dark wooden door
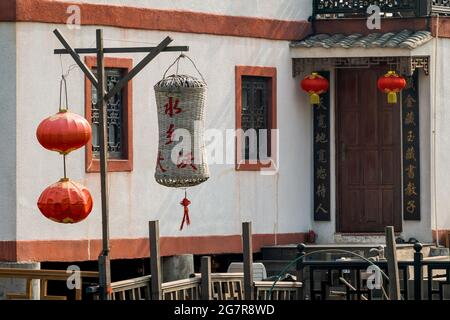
column 368, row 154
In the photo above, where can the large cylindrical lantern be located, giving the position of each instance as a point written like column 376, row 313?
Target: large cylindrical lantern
column 315, row 85
column 391, row 83
column 181, row 160
column 64, row 132
column 65, row 202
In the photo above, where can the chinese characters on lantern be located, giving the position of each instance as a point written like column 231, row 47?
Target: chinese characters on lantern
column 185, row 161
column 411, row 151
column 322, row 157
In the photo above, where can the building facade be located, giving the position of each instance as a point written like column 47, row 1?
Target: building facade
column 340, row 167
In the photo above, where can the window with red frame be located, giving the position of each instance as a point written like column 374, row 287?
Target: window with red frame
column 119, row 118
column 255, row 116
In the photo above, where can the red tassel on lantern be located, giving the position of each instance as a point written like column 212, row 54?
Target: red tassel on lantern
column 391, row 83
column 315, row 85
column 185, row 203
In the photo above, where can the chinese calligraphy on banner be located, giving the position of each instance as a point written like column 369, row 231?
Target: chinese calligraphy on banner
column 411, row 149
column 321, row 143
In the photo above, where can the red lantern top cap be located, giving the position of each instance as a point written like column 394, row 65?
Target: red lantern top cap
column 391, row 74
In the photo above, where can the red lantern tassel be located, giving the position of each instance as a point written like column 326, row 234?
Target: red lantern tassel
column 185, row 203
column 392, row 97
column 314, row 98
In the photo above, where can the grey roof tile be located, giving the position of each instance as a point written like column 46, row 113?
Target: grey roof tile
column 404, row 39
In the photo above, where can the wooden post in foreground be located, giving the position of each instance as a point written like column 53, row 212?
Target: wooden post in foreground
column 418, row 271
column 248, row 259
column 301, row 251
column 206, row 278
column 391, row 256
column 155, row 260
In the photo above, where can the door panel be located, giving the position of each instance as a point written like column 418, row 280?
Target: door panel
column 368, row 154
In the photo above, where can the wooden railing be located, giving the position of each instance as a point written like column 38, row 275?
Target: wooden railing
column 281, row 290
column 358, row 8
column 224, row 286
column 132, row 289
column 186, row 289
column 421, row 278
column 205, row 285
column 43, row 276
column 441, row 7
column 214, row 286
column 227, row 286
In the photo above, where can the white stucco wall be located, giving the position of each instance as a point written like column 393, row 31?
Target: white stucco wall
column 272, row 9
column 8, row 131
column 275, row 204
column 442, row 108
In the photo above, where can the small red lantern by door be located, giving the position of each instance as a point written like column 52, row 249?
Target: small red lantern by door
column 315, row 85
column 391, row 83
column 64, row 132
column 65, row 202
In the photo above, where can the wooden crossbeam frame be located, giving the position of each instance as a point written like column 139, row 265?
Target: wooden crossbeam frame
column 103, row 96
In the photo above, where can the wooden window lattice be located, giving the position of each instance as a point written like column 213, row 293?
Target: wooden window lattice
column 255, row 110
column 115, row 122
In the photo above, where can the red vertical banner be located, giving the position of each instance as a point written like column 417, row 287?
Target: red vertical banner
column 411, row 148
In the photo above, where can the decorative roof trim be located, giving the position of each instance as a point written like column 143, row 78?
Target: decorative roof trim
column 405, row 39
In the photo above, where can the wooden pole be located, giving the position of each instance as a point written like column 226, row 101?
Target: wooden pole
column 122, row 50
column 76, row 58
column 391, row 256
column 104, row 259
column 206, row 278
column 155, row 260
column 301, row 251
column 248, row 260
column 418, row 271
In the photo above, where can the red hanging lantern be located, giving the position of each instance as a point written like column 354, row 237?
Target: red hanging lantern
column 65, row 202
column 391, row 83
column 64, row 132
column 315, row 85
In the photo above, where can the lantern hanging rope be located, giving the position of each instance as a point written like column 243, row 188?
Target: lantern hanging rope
column 63, row 84
column 181, row 161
